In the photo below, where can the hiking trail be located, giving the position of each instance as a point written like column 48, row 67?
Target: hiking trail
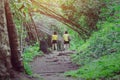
column 52, row 66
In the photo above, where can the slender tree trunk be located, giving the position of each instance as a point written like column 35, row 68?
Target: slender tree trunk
column 31, row 38
column 13, row 39
column 35, row 27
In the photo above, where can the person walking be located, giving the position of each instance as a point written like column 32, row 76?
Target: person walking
column 66, row 38
column 54, row 41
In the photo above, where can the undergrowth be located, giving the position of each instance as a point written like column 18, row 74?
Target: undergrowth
column 103, row 42
column 29, row 54
column 102, row 68
column 76, row 41
column 99, row 56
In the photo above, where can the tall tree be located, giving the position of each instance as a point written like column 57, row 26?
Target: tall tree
column 13, row 40
column 5, row 62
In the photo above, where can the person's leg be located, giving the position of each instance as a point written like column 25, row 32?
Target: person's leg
column 68, row 45
column 52, row 46
column 64, row 46
column 55, row 46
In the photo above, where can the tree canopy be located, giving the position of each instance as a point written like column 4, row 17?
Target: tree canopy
column 81, row 16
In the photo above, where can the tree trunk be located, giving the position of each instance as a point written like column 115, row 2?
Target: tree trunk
column 13, row 40
column 5, row 62
column 31, row 38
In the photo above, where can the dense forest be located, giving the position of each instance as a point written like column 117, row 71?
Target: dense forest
column 26, row 28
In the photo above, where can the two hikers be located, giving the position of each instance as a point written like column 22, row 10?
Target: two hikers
column 66, row 40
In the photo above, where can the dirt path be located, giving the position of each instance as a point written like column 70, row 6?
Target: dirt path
column 52, row 66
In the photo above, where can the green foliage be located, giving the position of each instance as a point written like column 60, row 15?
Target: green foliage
column 76, row 41
column 100, row 55
column 29, row 54
column 103, row 42
column 102, row 68
column 27, row 68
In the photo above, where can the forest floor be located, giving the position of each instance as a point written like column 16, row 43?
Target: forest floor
column 52, row 66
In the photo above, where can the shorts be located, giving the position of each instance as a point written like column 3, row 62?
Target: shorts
column 66, row 42
column 54, row 41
